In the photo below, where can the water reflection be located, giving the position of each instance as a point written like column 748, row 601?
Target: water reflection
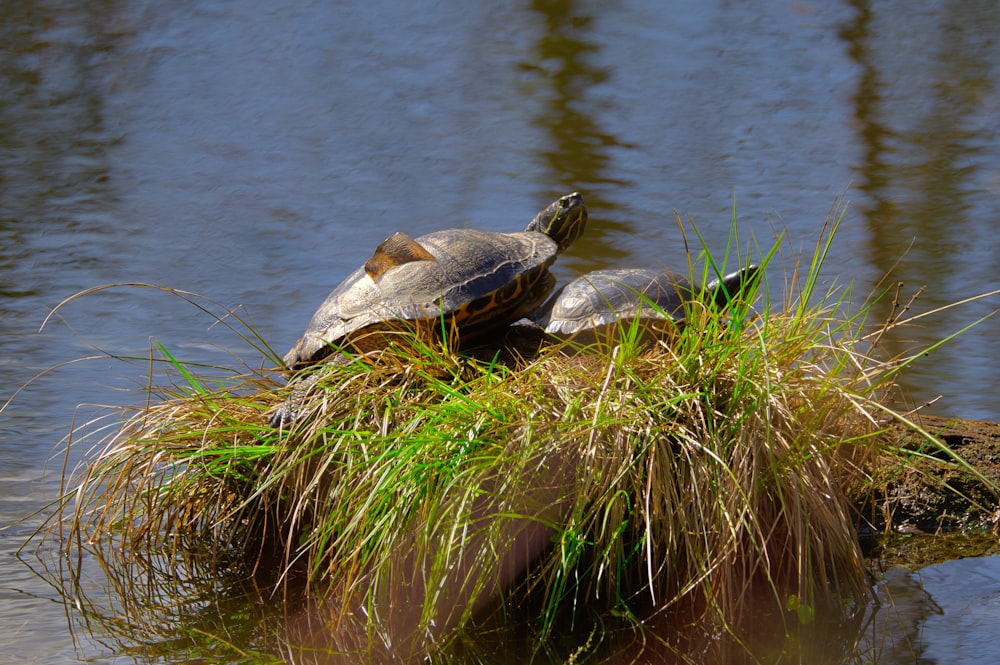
column 51, row 118
column 55, row 172
column 926, row 93
column 564, row 61
column 54, row 187
column 943, row 613
column 154, row 616
column 923, row 163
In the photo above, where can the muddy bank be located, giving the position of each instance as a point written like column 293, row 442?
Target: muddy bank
column 934, row 495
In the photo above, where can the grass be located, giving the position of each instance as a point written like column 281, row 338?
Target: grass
column 428, row 491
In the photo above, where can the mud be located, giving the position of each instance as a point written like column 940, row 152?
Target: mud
column 934, row 494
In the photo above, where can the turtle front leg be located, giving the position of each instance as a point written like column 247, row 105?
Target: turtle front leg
column 288, row 411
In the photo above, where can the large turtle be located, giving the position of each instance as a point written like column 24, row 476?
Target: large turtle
column 473, row 281
column 593, row 304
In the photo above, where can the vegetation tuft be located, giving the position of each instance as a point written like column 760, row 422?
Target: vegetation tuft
column 431, row 490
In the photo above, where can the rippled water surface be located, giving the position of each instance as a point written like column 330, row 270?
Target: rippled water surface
column 942, row 613
column 256, row 152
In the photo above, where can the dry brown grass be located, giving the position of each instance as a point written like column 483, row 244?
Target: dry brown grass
column 427, row 489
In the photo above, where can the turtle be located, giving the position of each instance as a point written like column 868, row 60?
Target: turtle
column 471, row 281
column 593, row 303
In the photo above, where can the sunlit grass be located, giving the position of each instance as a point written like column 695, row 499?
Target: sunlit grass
column 427, row 490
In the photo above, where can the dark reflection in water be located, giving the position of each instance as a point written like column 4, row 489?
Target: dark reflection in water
column 923, row 109
column 159, row 610
column 943, row 613
column 577, row 158
column 54, row 187
column 50, row 128
column 54, row 170
column 922, row 165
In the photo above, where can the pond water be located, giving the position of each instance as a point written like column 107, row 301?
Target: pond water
column 256, row 152
column 942, row 613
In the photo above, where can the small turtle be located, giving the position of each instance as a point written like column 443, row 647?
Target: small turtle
column 595, row 302
column 475, row 281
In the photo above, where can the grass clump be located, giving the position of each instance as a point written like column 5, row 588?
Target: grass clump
column 426, row 491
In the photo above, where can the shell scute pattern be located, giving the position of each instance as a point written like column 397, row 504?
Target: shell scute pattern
column 474, row 280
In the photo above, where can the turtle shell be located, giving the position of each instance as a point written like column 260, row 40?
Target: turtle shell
column 461, row 282
column 603, row 297
column 472, row 281
column 598, row 300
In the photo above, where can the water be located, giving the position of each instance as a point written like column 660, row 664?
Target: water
column 255, row 153
column 943, row 613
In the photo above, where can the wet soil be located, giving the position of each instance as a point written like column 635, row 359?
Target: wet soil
column 934, row 494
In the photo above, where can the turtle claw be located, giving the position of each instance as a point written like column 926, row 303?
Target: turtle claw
column 283, row 416
column 291, row 409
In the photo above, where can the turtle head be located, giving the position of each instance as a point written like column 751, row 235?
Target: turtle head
column 727, row 287
column 563, row 220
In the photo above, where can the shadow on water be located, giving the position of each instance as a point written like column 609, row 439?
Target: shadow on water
column 942, row 613
column 577, row 157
